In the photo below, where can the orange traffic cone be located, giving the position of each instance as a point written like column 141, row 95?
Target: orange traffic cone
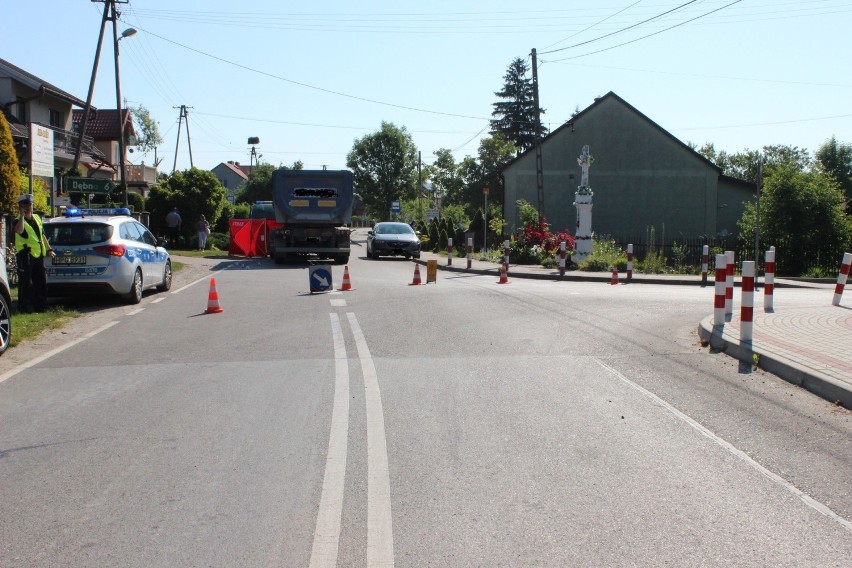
column 346, row 284
column 614, row 279
column 504, row 274
column 416, row 281
column 213, row 299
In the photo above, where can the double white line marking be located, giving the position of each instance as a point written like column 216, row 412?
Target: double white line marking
column 379, row 521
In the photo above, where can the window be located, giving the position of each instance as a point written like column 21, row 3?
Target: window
column 21, row 109
column 57, row 118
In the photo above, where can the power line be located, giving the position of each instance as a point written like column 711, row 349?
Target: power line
column 596, row 24
column 306, row 85
column 623, row 29
column 649, row 35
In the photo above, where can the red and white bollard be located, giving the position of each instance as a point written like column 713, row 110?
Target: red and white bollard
column 705, row 260
column 747, row 306
column 506, row 253
column 841, row 278
column 629, row 263
column 729, row 283
column 562, row 248
column 769, row 282
column 719, row 298
column 449, row 252
column 469, row 252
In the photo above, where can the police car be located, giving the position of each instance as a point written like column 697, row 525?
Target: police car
column 104, row 251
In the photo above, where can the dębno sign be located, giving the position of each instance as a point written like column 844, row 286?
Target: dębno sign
column 90, row 185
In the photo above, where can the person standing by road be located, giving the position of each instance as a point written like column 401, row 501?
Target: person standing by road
column 173, row 222
column 31, row 246
column 203, row 230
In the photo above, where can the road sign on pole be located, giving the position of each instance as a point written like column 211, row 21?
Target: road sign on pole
column 90, row 185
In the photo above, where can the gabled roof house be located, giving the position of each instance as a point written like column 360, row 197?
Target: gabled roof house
column 641, row 177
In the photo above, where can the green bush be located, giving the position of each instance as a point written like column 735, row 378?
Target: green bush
column 604, row 256
column 218, row 241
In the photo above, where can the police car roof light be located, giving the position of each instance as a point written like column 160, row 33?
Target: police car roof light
column 77, row 212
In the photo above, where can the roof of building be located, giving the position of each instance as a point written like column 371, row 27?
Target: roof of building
column 103, row 124
column 598, row 101
column 234, row 167
column 7, row 69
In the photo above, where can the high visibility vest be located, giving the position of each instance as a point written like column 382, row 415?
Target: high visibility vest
column 38, row 247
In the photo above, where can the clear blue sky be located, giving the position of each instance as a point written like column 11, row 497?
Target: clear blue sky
column 310, row 79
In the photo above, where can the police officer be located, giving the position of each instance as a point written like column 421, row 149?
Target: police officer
column 31, row 246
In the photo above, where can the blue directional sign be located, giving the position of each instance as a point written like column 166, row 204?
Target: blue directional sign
column 395, row 207
column 320, row 278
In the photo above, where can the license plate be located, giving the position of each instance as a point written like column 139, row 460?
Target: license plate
column 69, row 260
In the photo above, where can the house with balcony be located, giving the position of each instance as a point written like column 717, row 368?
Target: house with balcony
column 103, row 127
column 26, row 99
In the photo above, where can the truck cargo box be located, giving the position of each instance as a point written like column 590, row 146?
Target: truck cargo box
column 312, row 196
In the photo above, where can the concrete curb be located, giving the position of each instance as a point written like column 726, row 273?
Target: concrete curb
column 810, row 379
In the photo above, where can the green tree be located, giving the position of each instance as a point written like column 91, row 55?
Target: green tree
column 194, row 192
column 384, row 167
column 258, row 187
column 9, row 169
column 746, row 164
column 445, row 177
column 147, row 131
column 41, row 199
column 802, row 212
column 514, row 113
column 835, row 159
column 484, row 171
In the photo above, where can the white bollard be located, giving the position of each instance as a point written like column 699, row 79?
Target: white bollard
column 719, row 298
column 729, row 283
column 769, row 282
column 841, row 278
column 747, row 305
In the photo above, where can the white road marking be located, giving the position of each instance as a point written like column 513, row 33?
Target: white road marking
column 379, row 521
column 806, row 499
column 136, row 311
column 51, row 353
column 158, row 300
column 327, row 533
column 212, row 275
column 338, row 303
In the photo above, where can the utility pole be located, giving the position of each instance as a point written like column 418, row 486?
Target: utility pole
column 539, row 170
column 85, row 119
column 184, row 114
column 757, row 216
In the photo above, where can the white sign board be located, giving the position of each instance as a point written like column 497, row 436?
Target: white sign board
column 41, row 151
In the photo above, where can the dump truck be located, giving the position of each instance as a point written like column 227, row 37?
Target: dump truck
column 314, row 209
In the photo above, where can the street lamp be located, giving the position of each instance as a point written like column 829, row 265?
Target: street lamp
column 126, row 33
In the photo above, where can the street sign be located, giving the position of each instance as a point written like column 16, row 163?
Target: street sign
column 90, row 185
column 319, row 277
column 395, row 207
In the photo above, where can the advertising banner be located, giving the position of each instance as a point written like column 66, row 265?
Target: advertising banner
column 41, row 150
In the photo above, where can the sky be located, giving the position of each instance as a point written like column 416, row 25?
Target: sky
column 309, row 79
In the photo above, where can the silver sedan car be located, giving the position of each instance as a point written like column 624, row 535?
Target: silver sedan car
column 104, row 251
column 393, row 239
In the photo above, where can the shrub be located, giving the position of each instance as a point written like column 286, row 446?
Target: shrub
column 218, row 241
column 604, row 256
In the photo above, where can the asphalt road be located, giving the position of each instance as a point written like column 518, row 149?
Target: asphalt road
column 462, row 423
